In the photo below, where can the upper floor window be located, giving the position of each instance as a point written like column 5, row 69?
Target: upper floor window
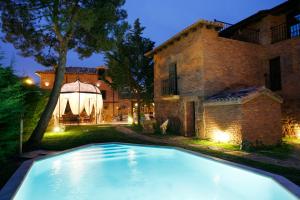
column 295, row 27
column 170, row 86
column 290, row 29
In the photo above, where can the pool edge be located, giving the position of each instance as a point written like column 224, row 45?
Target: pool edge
column 13, row 184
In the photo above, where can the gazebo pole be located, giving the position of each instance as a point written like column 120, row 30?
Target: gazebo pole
column 59, row 110
column 78, row 102
column 96, row 110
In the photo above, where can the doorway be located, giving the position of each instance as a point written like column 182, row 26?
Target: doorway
column 275, row 74
column 190, row 119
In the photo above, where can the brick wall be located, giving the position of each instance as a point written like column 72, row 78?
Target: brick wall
column 261, row 121
column 225, row 118
column 257, row 121
column 230, row 63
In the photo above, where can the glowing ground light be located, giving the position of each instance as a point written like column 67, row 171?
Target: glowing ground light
column 57, row 129
column 221, row 136
column 297, row 131
column 130, row 120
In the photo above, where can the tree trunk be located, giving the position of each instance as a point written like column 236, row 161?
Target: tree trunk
column 139, row 110
column 39, row 131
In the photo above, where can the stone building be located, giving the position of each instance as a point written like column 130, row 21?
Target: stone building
column 207, row 58
column 244, row 115
column 113, row 105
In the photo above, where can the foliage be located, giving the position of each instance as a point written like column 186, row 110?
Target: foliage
column 35, row 102
column 129, row 67
column 41, row 28
column 11, row 107
column 47, row 30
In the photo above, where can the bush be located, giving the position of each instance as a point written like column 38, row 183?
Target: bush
column 11, row 107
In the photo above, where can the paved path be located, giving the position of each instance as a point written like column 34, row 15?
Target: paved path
column 293, row 161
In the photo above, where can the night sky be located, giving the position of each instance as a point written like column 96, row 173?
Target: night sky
column 162, row 19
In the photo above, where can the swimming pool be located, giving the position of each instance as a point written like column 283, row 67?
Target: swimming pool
column 133, row 172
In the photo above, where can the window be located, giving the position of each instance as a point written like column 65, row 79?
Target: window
column 103, row 92
column 295, row 27
column 169, row 86
column 275, row 74
column 173, row 79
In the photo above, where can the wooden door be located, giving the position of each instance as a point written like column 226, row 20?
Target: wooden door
column 190, row 119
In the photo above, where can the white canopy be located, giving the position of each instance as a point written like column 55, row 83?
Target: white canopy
column 80, row 96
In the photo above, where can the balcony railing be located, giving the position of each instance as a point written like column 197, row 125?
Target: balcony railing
column 284, row 32
column 169, row 87
column 245, row 34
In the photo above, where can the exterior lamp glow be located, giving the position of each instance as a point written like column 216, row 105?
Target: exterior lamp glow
column 57, row 129
column 47, row 83
column 297, row 131
column 221, row 136
column 28, row 81
column 130, row 120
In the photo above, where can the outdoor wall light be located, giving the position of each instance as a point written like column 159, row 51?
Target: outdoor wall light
column 47, row 83
column 28, row 81
column 221, row 136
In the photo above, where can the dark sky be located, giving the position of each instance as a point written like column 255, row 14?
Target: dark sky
column 162, row 19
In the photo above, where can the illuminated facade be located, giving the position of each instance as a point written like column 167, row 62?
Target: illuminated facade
column 208, row 58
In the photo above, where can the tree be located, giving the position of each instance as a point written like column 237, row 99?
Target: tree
column 128, row 67
column 48, row 29
column 11, row 107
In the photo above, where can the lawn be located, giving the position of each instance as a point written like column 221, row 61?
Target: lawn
column 75, row 136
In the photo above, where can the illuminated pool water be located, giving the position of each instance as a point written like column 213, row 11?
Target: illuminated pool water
column 119, row 171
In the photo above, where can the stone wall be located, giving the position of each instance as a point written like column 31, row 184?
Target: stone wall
column 257, row 122
column 172, row 111
column 261, row 121
column 230, row 63
column 224, row 119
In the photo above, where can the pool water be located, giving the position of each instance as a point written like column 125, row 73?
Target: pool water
column 128, row 172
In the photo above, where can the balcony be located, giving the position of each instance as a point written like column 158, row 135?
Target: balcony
column 247, row 35
column 169, row 87
column 284, row 32
column 244, row 34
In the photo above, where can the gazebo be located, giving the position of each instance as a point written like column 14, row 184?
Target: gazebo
column 78, row 103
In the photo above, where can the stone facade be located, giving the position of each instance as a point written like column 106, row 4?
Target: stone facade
column 208, row 62
column 254, row 122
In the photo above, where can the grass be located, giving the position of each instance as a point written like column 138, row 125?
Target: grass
column 209, row 143
column 291, row 140
column 74, row 136
column 282, row 151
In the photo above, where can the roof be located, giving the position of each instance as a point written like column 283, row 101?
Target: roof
column 75, row 70
column 80, row 87
column 259, row 15
column 240, row 96
column 185, row 32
